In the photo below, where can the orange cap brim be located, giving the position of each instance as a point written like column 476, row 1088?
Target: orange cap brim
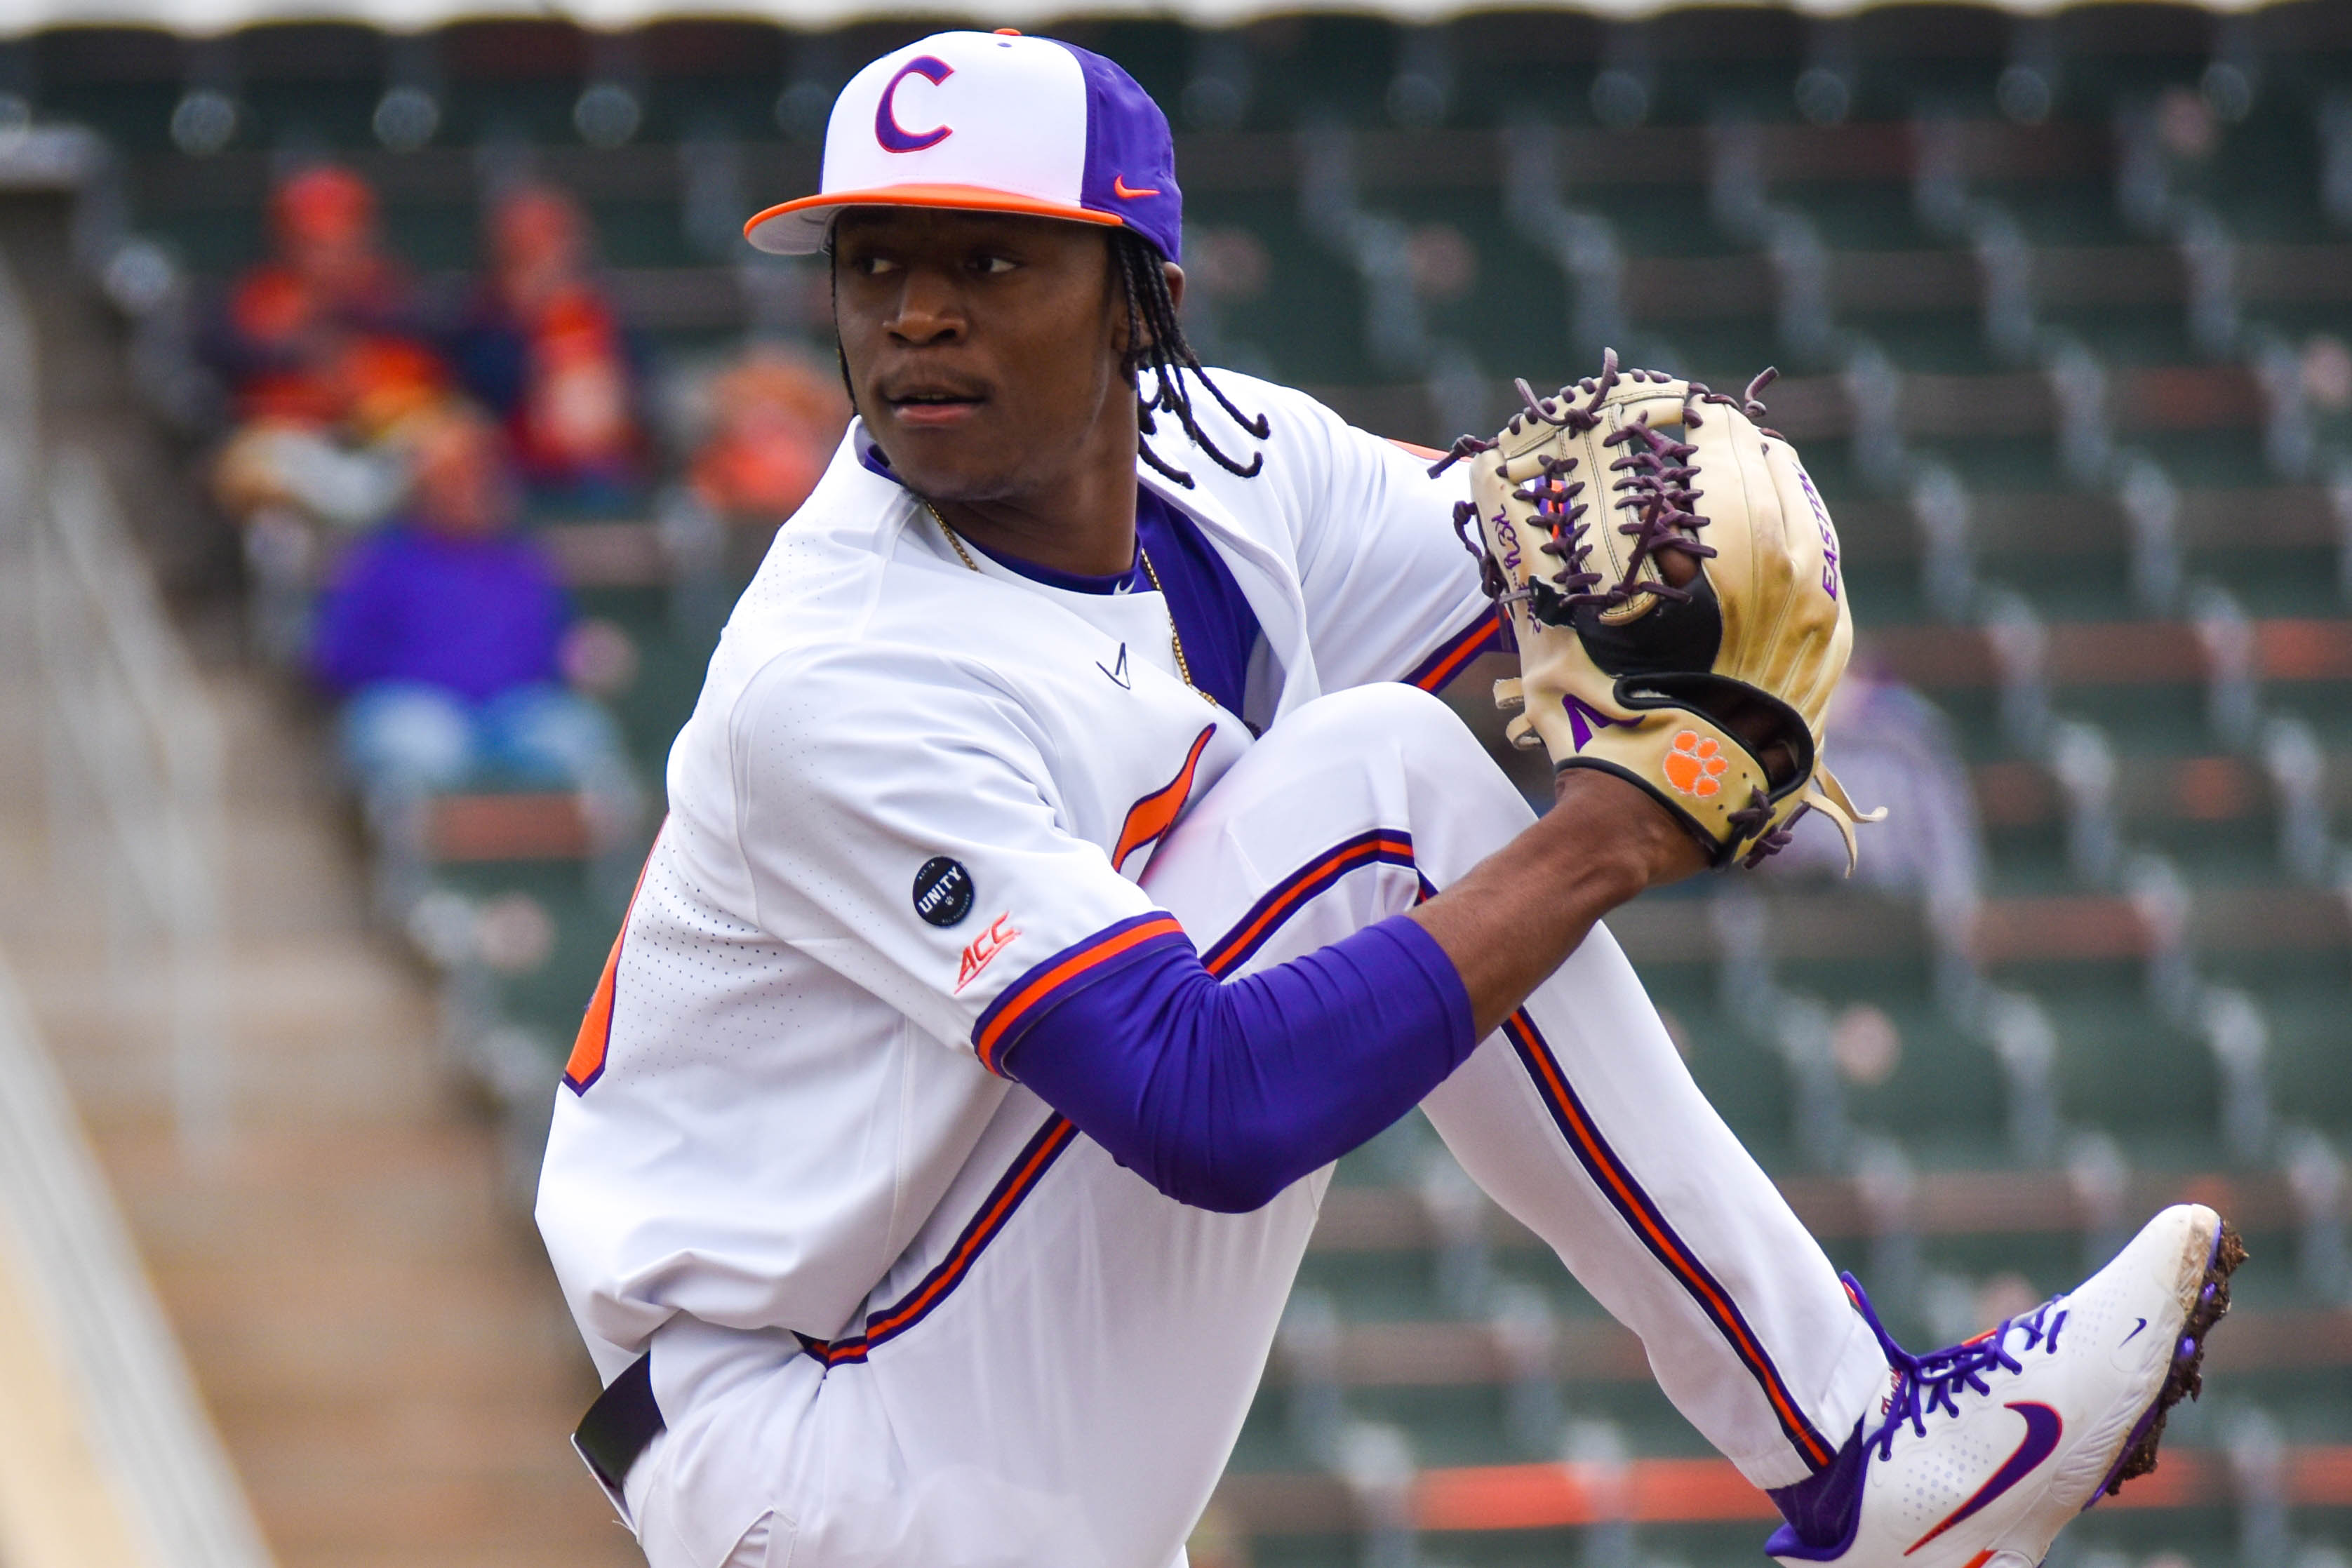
column 797, row 228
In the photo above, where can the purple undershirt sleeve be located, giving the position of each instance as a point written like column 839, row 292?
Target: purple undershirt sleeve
column 1221, row 1094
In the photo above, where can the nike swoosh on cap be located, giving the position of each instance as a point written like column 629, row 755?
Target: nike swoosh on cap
column 1119, row 187
column 2043, row 1428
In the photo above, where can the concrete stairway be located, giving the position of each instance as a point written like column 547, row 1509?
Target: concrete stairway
column 375, row 1329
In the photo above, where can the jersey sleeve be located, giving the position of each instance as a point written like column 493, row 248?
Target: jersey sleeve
column 1391, row 593
column 898, row 822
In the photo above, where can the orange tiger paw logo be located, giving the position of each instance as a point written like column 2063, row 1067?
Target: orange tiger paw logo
column 1697, row 766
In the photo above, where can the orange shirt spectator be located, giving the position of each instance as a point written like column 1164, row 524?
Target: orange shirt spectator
column 776, row 419
column 314, row 322
column 544, row 348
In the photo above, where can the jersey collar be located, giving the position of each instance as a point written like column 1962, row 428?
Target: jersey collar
column 1269, row 582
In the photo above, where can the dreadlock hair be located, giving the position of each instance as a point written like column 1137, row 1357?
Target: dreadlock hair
column 1156, row 343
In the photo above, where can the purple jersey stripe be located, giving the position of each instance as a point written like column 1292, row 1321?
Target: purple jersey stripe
column 1616, row 1183
column 1380, row 846
column 1028, row 1167
column 1454, row 655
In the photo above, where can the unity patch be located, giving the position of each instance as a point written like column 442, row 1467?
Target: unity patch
column 943, row 891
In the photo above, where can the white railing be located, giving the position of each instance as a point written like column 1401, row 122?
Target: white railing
column 132, row 746
column 74, row 1259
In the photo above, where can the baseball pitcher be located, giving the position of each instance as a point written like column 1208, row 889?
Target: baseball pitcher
column 1066, row 863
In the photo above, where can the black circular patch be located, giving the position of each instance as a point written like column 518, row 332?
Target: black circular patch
column 942, row 890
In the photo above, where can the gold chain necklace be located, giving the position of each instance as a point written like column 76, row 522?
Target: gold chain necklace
column 1175, row 638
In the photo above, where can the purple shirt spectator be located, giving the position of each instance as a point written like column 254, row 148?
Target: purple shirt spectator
column 476, row 617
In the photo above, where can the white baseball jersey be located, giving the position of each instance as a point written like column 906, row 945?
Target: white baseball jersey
column 782, row 1070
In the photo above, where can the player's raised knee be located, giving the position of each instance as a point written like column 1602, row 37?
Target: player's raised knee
column 1385, row 711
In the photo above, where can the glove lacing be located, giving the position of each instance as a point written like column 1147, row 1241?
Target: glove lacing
column 1658, row 475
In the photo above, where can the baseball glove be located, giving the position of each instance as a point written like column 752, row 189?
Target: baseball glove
column 1691, row 651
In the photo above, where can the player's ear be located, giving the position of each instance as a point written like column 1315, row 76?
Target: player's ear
column 1175, row 274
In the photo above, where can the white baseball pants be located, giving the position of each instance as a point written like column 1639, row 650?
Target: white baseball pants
column 1089, row 1347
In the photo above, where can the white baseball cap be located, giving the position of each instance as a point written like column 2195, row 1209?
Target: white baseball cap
column 991, row 122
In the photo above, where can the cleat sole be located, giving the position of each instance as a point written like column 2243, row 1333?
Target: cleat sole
column 2185, row 1379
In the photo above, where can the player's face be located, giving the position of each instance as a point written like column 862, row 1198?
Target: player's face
column 983, row 350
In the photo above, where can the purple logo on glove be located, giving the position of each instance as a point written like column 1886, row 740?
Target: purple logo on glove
column 1829, row 534
column 1508, row 538
column 1583, row 720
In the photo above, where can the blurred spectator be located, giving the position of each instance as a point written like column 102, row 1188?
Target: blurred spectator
column 775, row 418
column 347, row 470
column 444, row 631
column 327, row 290
column 544, row 350
column 325, row 362
column 1891, row 747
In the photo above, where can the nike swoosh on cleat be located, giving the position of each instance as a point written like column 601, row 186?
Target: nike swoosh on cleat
column 2043, row 1430
column 2134, row 1335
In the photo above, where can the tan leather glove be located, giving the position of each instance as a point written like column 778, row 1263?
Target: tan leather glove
column 1671, row 576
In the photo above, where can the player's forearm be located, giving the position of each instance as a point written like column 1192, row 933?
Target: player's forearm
column 1519, row 913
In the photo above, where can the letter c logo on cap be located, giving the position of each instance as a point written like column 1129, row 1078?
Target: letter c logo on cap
column 894, row 137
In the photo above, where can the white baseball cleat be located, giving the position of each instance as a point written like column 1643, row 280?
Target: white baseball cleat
column 1984, row 1451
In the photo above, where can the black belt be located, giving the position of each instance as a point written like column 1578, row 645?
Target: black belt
column 618, row 1428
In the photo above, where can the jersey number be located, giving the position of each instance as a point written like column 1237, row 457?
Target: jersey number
column 587, row 1063
column 587, row 1060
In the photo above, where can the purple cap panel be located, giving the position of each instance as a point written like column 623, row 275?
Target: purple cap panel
column 1130, row 166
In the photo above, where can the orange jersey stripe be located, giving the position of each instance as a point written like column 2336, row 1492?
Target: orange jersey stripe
column 1558, row 1091
column 1461, row 653
column 1157, row 812
column 1276, row 913
column 1637, row 1211
column 978, row 1235
column 1078, row 963
column 595, row 1036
